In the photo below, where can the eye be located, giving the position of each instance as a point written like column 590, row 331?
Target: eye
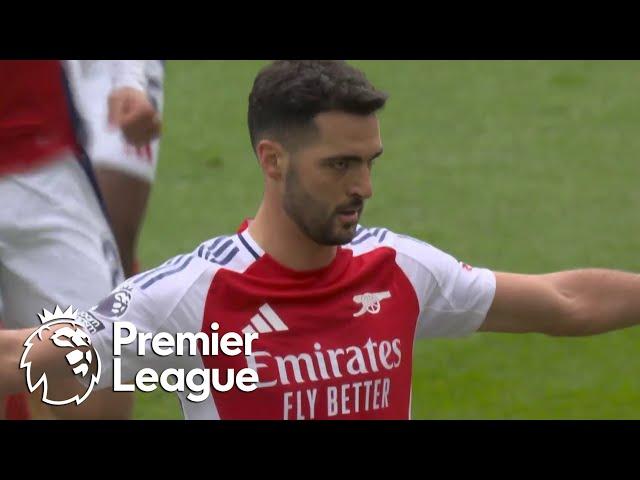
column 340, row 164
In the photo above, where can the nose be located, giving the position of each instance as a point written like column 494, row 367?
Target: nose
column 361, row 185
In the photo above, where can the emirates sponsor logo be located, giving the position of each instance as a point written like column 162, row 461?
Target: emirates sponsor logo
column 325, row 364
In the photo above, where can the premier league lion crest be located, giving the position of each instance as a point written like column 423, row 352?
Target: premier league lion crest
column 80, row 358
column 116, row 304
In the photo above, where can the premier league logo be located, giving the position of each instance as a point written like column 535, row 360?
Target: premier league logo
column 68, row 335
column 116, row 304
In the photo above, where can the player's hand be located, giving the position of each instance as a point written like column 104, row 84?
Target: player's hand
column 131, row 111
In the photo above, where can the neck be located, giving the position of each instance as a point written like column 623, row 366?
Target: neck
column 283, row 240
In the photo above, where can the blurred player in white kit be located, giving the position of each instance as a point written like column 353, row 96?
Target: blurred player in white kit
column 124, row 173
column 56, row 244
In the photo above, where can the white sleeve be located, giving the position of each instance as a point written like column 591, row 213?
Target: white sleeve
column 454, row 298
column 128, row 73
column 123, row 73
column 149, row 301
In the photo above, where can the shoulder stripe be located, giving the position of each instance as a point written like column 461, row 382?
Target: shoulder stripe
column 362, row 238
column 221, row 250
column 228, row 258
column 359, row 230
column 176, row 260
column 166, row 273
column 213, row 245
column 163, row 267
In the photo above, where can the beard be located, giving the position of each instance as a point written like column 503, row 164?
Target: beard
column 317, row 220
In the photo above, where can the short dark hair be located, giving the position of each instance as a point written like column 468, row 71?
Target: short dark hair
column 288, row 94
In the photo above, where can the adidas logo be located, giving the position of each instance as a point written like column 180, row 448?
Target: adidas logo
column 268, row 322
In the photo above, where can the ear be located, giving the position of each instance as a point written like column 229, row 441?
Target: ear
column 271, row 157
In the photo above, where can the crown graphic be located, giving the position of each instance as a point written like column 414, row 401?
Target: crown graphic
column 57, row 314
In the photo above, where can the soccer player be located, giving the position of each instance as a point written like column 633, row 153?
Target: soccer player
column 56, row 245
column 337, row 306
column 124, row 173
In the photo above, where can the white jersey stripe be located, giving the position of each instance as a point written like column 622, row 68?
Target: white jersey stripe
column 273, row 318
column 248, row 329
column 261, row 326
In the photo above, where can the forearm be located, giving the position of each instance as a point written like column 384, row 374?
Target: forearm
column 12, row 378
column 601, row 300
column 43, row 357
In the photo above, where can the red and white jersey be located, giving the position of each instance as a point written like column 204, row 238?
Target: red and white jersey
column 334, row 343
column 38, row 120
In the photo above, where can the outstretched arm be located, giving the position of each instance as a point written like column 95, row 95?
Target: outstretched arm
column 571, row 303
